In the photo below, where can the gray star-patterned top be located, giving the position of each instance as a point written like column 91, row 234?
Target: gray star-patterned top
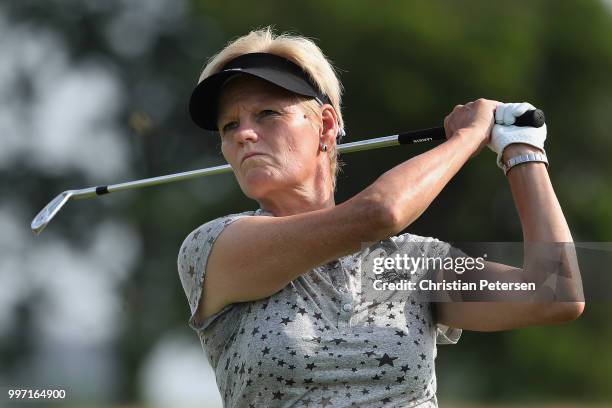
column 316, row 343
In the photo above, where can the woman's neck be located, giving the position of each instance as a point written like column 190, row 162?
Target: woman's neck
column 298, row 199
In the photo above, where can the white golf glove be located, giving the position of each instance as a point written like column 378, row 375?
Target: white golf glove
column 504, row 133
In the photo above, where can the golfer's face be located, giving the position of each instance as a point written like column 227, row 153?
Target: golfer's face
column 267, row 138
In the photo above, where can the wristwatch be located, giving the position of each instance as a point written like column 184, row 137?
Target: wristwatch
column 524, row 158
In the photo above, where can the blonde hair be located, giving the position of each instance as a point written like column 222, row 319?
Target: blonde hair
column 298, row 49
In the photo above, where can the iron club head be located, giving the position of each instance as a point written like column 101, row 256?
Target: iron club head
column 46, row 214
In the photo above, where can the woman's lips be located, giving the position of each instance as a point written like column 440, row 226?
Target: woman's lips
column 248, row 155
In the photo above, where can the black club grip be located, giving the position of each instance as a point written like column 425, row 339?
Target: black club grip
column 533, row 118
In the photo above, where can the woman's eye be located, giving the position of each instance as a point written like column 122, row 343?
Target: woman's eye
column 267, row 112
column 229, row 126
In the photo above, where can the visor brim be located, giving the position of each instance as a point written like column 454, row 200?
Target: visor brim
column 203, row 104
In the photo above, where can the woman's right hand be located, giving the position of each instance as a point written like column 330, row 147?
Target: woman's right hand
column 473, row 121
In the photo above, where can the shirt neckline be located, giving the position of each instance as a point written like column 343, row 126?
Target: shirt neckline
column 261, row 211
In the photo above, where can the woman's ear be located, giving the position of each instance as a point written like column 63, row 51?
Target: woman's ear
column 329, row 122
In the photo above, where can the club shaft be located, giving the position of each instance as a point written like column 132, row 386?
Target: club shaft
column 531, row 118
column 154, row 181
column 361, row 145
column 46, row 214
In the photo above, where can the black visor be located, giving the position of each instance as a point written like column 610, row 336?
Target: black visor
column 272, row 68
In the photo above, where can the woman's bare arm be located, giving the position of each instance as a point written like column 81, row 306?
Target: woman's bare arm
column 546, row 235
column 255, row 257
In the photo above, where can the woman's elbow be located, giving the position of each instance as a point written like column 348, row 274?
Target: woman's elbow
column 389, row 219
column 565, row 312
column 575, row 310
column 383, row 219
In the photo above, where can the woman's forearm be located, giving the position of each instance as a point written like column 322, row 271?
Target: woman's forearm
column 538, row 208
column 549, row 252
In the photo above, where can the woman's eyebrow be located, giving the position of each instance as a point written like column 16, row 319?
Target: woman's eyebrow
column 255, row 108
column 224, row 116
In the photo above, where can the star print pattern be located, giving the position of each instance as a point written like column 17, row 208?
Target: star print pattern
column 304, row 347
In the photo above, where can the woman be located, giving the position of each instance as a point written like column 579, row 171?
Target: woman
column 280, row 313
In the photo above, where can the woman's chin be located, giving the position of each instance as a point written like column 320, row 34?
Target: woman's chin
column 257, row 183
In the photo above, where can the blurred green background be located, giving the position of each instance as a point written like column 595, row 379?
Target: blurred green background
column 95, row 92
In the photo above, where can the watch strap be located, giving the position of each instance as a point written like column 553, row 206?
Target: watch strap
column 524, row 158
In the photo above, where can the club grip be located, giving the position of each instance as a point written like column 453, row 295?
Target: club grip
column 533, row 118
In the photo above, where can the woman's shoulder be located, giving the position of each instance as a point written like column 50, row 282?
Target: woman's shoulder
column 223, row 218
column 209, row 230
column 222, row 221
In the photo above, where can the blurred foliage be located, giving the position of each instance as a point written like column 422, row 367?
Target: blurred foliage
column 404, row 66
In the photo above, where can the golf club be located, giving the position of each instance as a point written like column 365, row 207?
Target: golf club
column 534, row 118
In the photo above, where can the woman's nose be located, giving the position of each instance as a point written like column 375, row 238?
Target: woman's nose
column 246, row 133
